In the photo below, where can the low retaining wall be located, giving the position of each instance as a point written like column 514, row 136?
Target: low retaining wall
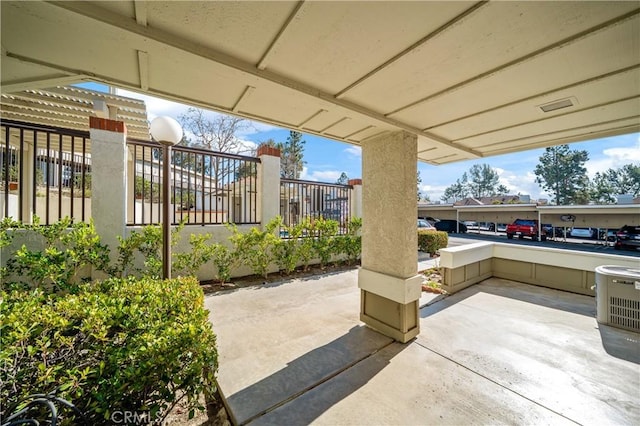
column 566, row 270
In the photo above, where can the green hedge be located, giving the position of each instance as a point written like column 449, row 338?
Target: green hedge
column 117, row 345
column 432, row 241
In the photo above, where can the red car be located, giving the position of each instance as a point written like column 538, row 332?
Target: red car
column 526, row 228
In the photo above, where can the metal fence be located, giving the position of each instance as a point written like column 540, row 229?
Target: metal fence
column 301, row 199
column 46, row 171
column 206, row 187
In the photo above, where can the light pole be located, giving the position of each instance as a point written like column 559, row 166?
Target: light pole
column 167, row 132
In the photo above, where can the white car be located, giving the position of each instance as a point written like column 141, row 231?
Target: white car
column 584, row 233
column 425, row 225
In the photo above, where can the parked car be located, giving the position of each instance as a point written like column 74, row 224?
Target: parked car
column 526, row 228
column 502, row 227
column 591, row 233
column 451, row 226
column 628, row 237
column 608, row 234
column 431, row 220
column 487, row 226
column 425, row 225
column 471, row 224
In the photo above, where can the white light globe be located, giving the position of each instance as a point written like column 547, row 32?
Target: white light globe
column 166, row 130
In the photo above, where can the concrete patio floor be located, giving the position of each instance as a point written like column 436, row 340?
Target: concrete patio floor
column 500, row 352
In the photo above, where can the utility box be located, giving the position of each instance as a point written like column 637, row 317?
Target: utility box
column 618, row 296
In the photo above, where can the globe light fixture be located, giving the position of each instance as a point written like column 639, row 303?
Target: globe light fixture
column 167, row 132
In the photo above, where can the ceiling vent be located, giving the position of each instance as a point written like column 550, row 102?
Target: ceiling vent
column 555, row 105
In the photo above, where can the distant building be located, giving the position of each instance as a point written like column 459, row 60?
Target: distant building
column 498, row 199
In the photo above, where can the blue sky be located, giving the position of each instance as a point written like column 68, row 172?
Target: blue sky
column 327, row 159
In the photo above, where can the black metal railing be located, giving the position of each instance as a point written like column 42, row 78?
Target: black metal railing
column 45, row 171
column 207, row 187
column 301, row 199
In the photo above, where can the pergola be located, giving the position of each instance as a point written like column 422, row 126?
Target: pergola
column 408, row 81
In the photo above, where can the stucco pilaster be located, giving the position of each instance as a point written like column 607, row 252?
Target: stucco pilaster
column 269, row 183
column 356, row 197
column 389, row 235
column 108, row 180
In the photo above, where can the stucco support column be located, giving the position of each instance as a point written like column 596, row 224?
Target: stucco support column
column 108, row 180
column 356, row 197
column 389, row 283
column 269, row 183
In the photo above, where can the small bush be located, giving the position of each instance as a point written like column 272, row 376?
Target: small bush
column 68, row 248
column 188, row 263
column 432, row 241
column 326, row 244
column 118, row 345
column 351, row 243
column 255, row 248
column 287, row 251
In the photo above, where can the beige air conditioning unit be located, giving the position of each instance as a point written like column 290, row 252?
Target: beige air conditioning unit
column 618, row 296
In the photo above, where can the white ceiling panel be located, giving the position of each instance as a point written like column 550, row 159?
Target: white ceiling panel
column 465, row 77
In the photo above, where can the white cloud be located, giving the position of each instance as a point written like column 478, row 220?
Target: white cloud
column 434, row 192
column 614, row 158
column 246, row 147
column 329, row 176
column 353, row 151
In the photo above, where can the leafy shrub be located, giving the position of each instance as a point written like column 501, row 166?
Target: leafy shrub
column 255, row 248
column 325, row 242
column 351, row 243
column 147, row 245
column 306, row 247
column 287, row 251
column 68, row 248
column 188, row 263
column 432, row 241
column 118, row 345
column 225, row 261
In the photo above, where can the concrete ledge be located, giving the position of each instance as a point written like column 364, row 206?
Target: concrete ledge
column 463, row 255
column 561, row 269
column 397, row 289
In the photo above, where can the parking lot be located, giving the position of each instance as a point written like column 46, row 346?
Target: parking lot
column 568, row 243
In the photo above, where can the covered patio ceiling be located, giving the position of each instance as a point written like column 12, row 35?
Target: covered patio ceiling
column 471, row 79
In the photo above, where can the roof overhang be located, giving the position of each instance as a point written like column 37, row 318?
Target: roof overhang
column 471, row 79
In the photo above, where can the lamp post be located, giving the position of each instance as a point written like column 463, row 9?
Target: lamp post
column 167, row 132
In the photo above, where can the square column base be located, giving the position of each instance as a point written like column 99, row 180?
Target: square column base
column 389, row 305
column 398, row 321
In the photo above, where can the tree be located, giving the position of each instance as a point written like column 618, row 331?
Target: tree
column 343, row 179
column 606, row 185
column 484, row 180
column 419, row 181
column 217, row 134
column 561, row 172
column 480, row 181
column 458, row 190
column 291, row 154
column 502, row 190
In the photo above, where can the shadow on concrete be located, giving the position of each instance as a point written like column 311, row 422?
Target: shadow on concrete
column 307, row 372
column 542, row 296
column 620, row 343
